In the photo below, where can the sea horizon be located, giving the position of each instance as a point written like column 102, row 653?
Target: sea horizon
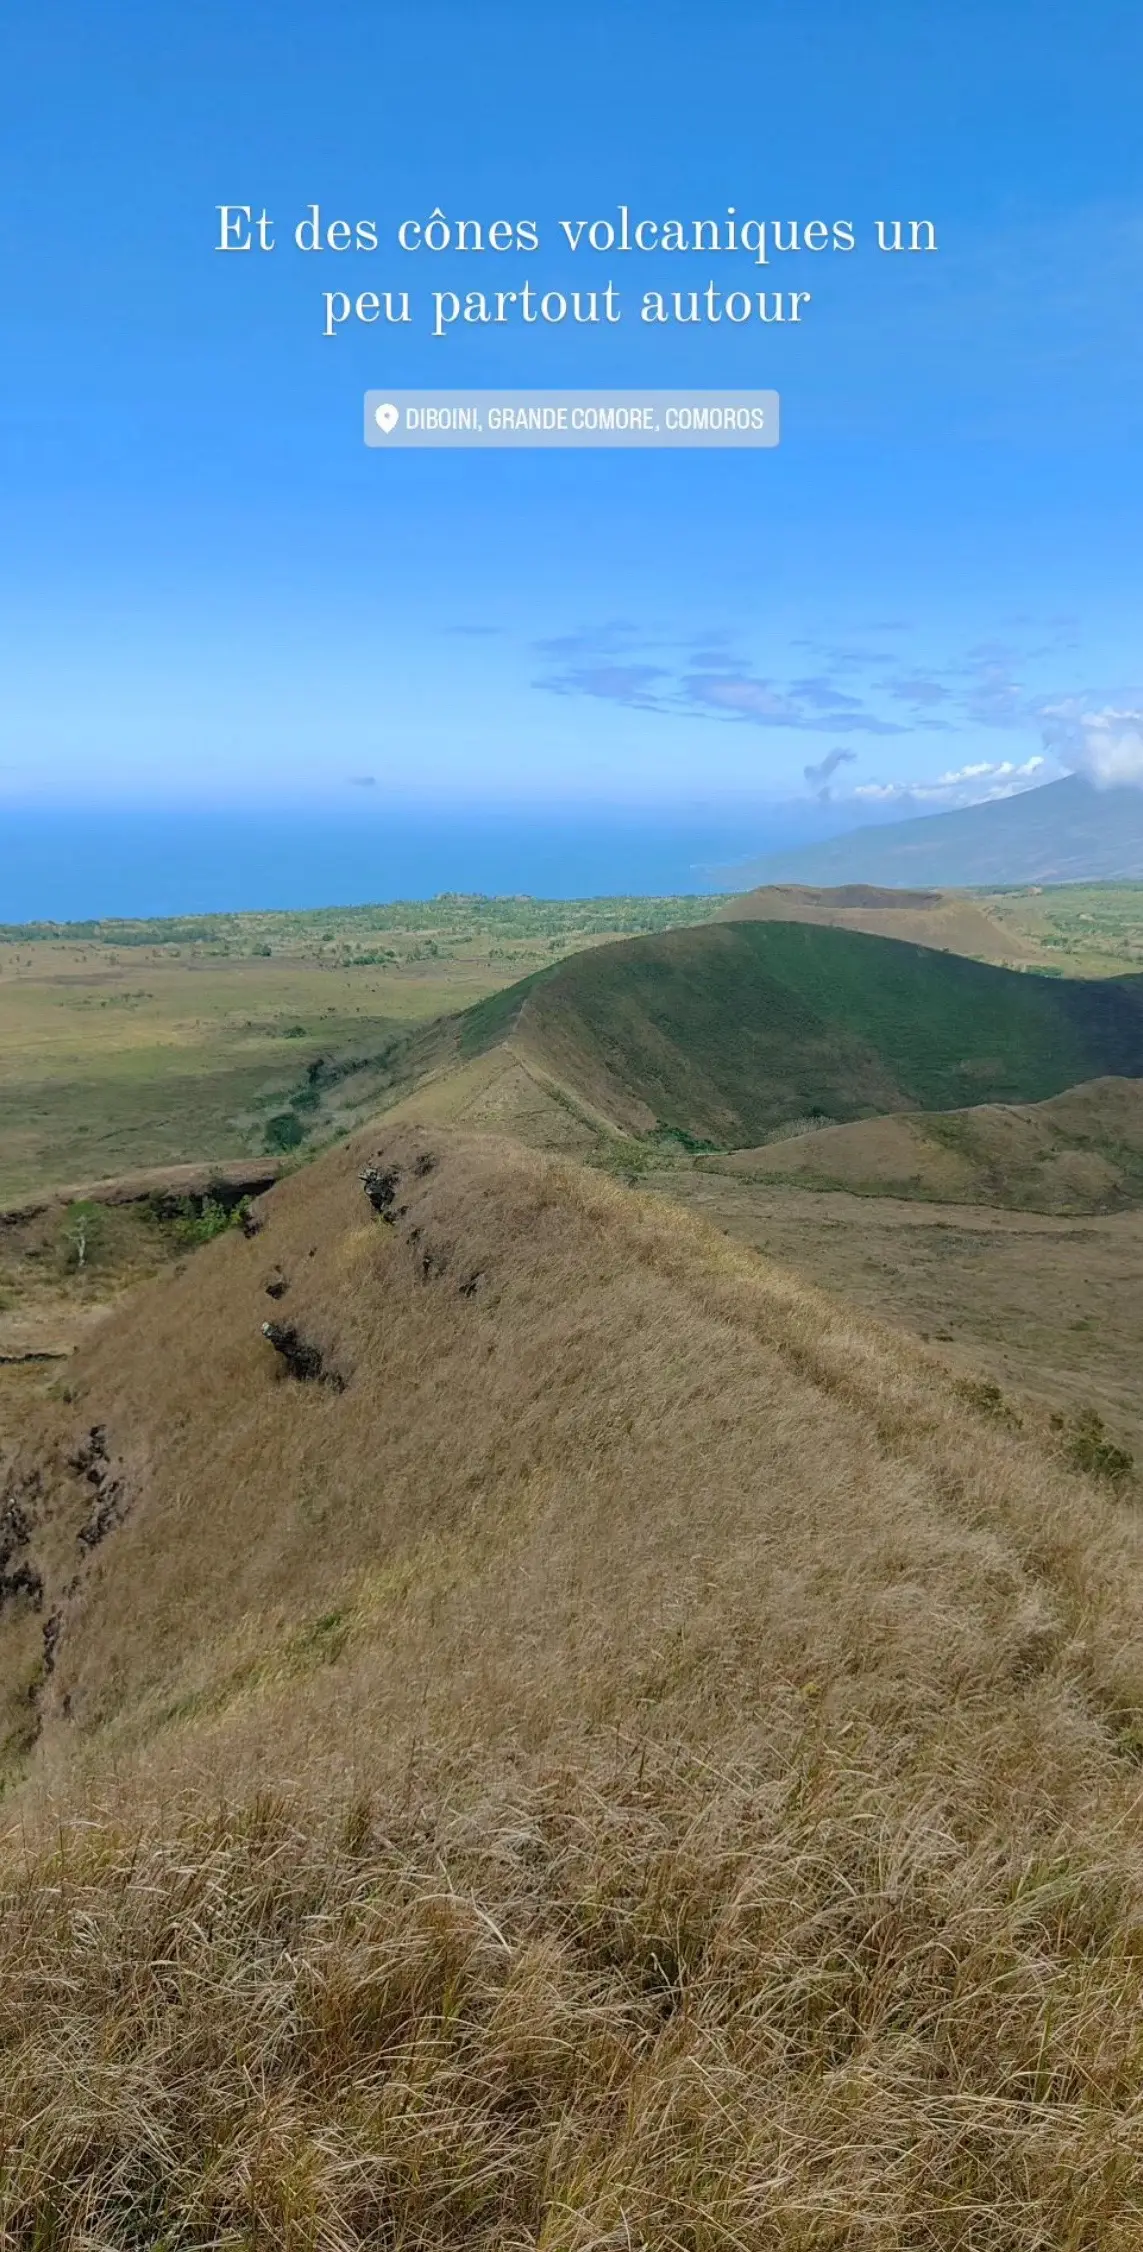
column 105, row 863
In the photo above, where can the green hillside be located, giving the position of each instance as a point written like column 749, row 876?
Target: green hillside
column 1061, row 832
column 724, row 1033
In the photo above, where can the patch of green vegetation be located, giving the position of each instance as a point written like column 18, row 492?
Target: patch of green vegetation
column 20, row 1726
column 316, row 1642
column 489, row 1021
column 630, row 1157
column 147, row 1106
column 677, row 1137
column 951, row 1130
column 988, row 1399
column 1087, row 1446
column 284, row 1131
column 458, row 916
column 1096, row 929
column 200, row 1222
column 322, row 1641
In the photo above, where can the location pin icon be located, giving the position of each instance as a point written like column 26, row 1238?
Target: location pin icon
column 387, row 418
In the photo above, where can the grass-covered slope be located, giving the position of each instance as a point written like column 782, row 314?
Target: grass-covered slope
column 929, row 918
column 1079, row 1152
column 725, row 1033
column 728, row 1032
column 624, row 1753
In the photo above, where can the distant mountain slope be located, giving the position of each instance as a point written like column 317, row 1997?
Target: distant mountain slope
column 1066, row 832
column 930, row 918
column 1080, row 1152
column 722, row 1034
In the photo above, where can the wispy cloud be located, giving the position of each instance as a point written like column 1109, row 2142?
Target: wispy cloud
column 996, row 698
column 632, row 685
column 819, row 776
column 974, row 784
column 740, row 696
column 609, row 640
column 921, row 690
column 821, row 694
column 856, row 690
column 611, row 663
column 709, row 657
column 846, row 656
column 806, row 704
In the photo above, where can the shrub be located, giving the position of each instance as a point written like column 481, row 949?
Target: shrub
column 1088, row 1447
column 988, row 1399
column 200, row 1224
column 284, row 1131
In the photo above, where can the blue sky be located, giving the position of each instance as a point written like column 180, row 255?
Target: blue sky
column 213, row 593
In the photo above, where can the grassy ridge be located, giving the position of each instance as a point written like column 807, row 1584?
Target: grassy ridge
column 644, row 1760
column 725, row 1033
column 730, row 1031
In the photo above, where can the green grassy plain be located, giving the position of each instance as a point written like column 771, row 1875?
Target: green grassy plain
column 137, row 1044
column 1086, row 930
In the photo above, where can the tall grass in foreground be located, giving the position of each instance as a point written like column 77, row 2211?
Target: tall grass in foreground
column 670, row 2011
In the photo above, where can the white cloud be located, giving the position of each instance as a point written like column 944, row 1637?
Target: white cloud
column 1104, row 745
column 965, row 785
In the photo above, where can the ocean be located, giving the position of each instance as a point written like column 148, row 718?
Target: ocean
column 78, row 864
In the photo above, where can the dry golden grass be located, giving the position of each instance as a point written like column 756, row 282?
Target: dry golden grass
column 953, row 920
column 1048, row 1308
column 1081, row 1151
column 646, row 1763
